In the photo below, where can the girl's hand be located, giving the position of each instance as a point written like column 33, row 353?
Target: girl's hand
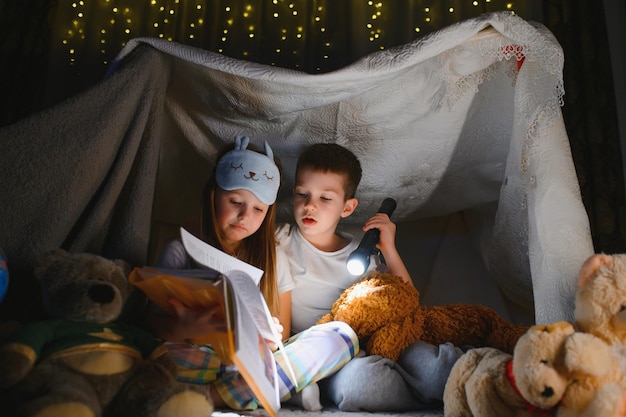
column 278, row 330
column 196, row 323
column 188, row 323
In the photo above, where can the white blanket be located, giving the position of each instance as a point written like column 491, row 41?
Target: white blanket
column 474, row 151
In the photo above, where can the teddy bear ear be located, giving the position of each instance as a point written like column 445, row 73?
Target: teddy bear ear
column 124, row 265
column 563, row 327
column 591, row 266
column 49, row 258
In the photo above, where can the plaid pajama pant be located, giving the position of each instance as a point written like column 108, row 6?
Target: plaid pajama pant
column 314, row 354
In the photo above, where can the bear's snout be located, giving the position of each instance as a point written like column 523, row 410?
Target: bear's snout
column 547, row 392
column 101, row 293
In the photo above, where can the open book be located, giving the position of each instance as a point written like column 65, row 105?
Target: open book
column 233, row 285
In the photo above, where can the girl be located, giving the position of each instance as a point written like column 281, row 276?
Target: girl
column 239, row 218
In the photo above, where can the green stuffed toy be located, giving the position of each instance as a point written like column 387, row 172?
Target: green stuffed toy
column 82, row 362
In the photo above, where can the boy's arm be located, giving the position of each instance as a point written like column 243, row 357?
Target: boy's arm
column 387, row 245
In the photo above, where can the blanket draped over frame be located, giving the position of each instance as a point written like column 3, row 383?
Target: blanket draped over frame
column 462, row 127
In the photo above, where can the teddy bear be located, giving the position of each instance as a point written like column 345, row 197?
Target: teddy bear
column 554, row 371
column 82, row 360
column 609, row 401
column 589, row 359
column 596, row 386
column 385, row 313
column 600, row 306
column 532, row 381
column 600, row 310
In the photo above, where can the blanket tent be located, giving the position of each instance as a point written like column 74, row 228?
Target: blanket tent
column 463, row 128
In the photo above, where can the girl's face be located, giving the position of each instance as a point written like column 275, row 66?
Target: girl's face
column 238, row 214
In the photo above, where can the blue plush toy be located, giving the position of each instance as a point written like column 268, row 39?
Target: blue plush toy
column 4, row 275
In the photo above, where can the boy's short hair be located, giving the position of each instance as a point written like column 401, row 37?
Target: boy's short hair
column 330, row 157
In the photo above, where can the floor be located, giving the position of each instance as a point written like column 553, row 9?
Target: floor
column 286, row 412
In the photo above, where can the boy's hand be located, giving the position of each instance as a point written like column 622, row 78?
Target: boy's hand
column 387, row 230
column 387, row 245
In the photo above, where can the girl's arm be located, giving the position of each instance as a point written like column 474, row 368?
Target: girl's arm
column 387, row 245
column 282, row 323
column 284, row 316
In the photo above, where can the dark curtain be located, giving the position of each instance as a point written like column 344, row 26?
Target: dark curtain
column 579, row 25
column 590, row 116
column 24, row 48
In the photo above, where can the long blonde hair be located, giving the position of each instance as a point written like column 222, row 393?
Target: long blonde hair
column 258, row 249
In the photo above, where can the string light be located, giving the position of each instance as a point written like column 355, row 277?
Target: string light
column 243, row 26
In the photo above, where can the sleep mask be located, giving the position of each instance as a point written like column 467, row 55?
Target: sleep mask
column 242, row 168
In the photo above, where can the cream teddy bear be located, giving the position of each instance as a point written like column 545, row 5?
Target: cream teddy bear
column 554, row 371
column 596, row 380
column 600, row 310
column 601, row 298
column 487, row 382
column 582, row 372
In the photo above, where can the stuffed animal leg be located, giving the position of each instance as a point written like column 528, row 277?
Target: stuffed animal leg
column 459, row 324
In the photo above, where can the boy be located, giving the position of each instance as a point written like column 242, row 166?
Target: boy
column 327, row 176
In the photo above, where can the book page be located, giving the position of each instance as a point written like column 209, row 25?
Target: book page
column 213, row 258
column 253, row 357
column 249, row 295
column 250, row 298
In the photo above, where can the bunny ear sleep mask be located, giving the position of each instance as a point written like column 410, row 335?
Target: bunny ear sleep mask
column 244, row 169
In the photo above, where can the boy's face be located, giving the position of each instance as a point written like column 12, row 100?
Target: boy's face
column 319, row 202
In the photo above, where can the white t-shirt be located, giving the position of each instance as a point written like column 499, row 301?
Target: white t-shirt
column 319, row 277
column 174, row 256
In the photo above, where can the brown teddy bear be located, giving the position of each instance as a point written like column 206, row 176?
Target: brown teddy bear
column 385, row 313
column 486, row 382
column 82, row 362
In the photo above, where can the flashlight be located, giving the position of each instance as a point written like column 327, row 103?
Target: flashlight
column 359, row 260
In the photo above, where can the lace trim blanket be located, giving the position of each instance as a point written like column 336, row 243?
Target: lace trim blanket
column 465, row 120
